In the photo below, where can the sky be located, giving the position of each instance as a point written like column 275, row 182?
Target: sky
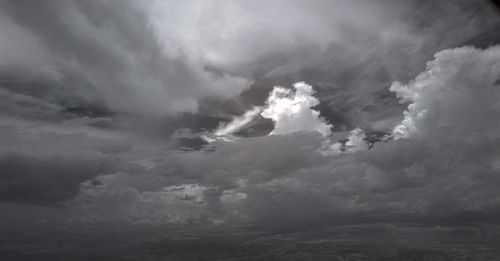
column 275, row 113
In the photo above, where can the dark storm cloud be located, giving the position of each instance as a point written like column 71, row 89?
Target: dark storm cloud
column 45, row 163
column 46, row 179
column 74, row 75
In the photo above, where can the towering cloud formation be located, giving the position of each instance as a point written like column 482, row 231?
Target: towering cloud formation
column 457, row 94
column 292, row 111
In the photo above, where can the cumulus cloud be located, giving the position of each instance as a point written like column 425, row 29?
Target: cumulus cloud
column 457, row 93
column 292, row 111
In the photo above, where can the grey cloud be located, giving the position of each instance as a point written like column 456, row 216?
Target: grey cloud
column 105, row 52
column 353, row 71
column 72, row 70
column 44, row 162
column 47, row 179
column 97, row 57
column 286, row 180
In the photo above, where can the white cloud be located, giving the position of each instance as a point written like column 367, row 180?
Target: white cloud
column 292, row 111
column 457, row 94
column 237, row 123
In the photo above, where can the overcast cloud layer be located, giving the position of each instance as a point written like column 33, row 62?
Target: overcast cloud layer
column 235, row 112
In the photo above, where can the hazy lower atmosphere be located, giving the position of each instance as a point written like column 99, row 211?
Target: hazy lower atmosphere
column 249, row 130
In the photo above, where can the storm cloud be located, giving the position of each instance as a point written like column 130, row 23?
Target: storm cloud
column 262, row 112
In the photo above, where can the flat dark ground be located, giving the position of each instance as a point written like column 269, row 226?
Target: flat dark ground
column 379, row 241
